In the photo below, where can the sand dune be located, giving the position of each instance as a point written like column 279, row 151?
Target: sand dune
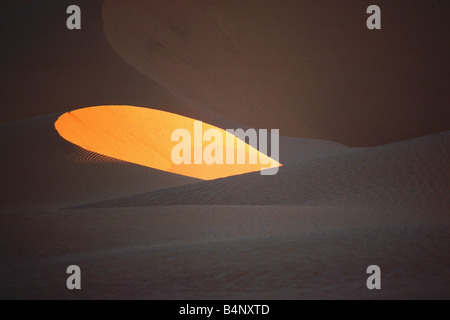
column 339, row 85
column 39, row 168
column 412, row 175
column 49, row 69
column 308, row 232
column 144, row 136
column 309, row 68
column 225, row 252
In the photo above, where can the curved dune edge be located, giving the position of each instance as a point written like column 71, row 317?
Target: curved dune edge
column 184, row 49
column 143, row 136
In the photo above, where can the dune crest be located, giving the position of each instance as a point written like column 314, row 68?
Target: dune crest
column 143, row 136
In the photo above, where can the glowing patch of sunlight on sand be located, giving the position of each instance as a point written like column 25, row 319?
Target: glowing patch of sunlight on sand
column 143, row 136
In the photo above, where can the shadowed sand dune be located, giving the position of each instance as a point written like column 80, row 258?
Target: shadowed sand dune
column 309, row 68
column 324, row 220
column 412, row 175
column 310, row 232
column 314, row 61
column 47, row 68
column 225, row 252
column 39, row 168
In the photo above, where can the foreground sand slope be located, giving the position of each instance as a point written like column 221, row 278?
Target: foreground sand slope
column 323, row 223
column 225, row 252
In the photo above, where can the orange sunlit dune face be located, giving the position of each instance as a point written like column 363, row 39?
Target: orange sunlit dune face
column 144, row 136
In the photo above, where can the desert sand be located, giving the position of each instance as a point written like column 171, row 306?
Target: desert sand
column 309, row 68
column 309, row 232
